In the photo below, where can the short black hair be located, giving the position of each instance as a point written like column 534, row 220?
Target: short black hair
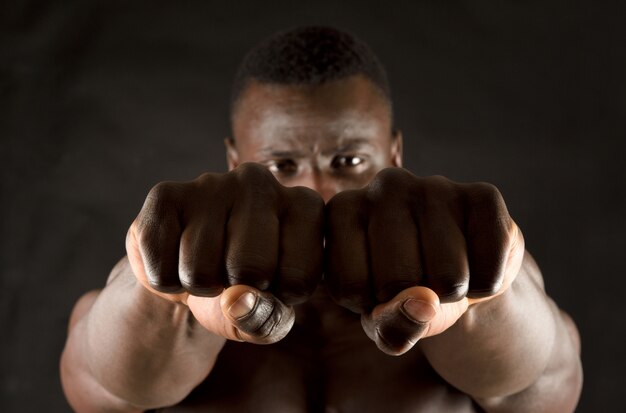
column 310, row 55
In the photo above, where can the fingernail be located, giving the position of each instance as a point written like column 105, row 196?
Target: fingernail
column 243, row 306
column 419, row 310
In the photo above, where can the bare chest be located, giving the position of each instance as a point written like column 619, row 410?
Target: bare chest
column 325, row 364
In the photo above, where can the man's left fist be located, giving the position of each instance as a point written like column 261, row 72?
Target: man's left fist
column 410, row 254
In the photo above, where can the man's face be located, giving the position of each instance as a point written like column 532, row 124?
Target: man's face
column 329, row 138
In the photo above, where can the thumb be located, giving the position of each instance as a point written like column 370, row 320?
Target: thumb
column 243, row 313
column 413, row 314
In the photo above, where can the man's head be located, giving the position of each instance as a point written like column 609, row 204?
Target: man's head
column 313, row 104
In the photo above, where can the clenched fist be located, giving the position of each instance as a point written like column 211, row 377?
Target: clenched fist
column 238, row 248
column 410, row 254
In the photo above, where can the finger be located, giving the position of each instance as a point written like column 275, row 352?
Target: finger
column 413, row 314
column 201, row 257
column 243, row 313
column 394, row 250
column 156, row 232
column 489, row 240
column 445, row 256
column 301, row 245
column 346, row 252
column 513, row 264
column 253, row 229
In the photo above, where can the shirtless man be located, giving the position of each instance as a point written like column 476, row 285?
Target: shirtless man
column 289, row 283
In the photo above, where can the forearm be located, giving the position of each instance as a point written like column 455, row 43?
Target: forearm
column 140, row 348
column 507, row 345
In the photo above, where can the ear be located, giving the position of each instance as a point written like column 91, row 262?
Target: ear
column 396, row 148
column 232, row 156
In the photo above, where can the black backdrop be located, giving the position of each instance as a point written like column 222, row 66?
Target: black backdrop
column 102, row 100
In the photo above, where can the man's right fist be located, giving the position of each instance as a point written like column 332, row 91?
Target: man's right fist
column 193, row 240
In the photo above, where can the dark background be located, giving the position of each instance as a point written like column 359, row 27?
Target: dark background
column 102, row 100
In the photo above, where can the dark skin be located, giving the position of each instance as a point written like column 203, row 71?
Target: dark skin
column 425, row 268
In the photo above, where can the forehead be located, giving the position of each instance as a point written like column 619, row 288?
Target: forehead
column 303, row 115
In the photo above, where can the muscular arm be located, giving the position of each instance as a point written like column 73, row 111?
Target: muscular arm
column 514, row 353
column 129, row 349
column 442, row 264
column 222, row 257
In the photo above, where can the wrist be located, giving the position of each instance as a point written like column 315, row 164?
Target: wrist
column 127, row 288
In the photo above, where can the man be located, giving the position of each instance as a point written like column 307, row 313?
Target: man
column 316, row 206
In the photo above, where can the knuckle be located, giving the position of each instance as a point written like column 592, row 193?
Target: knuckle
column 146, row 235
column 155, row 238
column 486, row 196
column 386, row 183
column 161, row 206
column 306, row 205
column 255, row 185
column 392, row 175
column 487, row 210
column 147, row 241
column 163, row 193
column 437, row 186
column 349, row 203
column 207, row 178
column 346, row 199
column 304, row 195
column 486, row 189
column 439, row 180
column 210, row 188
column 253, row 173
column 436, row 193
column 305, row 201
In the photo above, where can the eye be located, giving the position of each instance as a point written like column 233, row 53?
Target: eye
column 346, row 161
column 283, row 166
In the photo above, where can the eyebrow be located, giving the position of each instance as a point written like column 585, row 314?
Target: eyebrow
column 346, row 146
column 350, row 145
column 282, row 153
